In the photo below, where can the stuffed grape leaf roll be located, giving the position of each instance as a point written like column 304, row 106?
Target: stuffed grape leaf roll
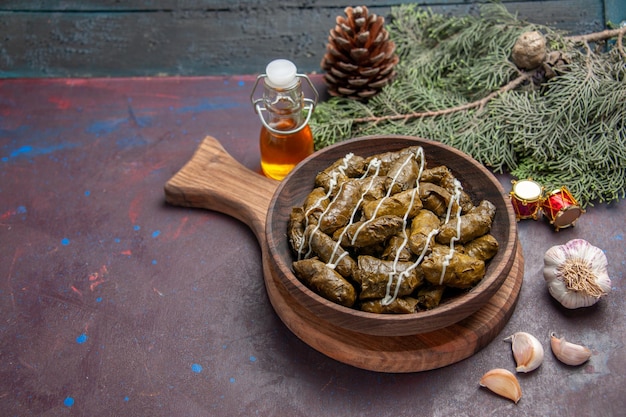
column 375, row 274
column 331, row 252
column 315, row 204
column 402, row 174
column 484, row 247
column 421, row 227
column 404, row 305
column 295, row 229
column 436, row 199
column 351, row 166
column 396, row 205
column 340, row 209
column 325, row 281
column 475, row 223
column 459, row 271
column 397, row 248
column 372, row 188
column 388, row 158
column 429, row 297
column 369, row 232
column 442, row 177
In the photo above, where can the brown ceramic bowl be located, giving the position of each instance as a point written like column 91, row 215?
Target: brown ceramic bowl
column 477, row 181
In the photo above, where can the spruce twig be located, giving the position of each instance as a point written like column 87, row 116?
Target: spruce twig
column 597, row 36
column 480, row 104
column 457, row 85
column 602, row 36
column 590, row 37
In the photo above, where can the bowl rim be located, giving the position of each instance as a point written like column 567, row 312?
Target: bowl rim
column 407, row 324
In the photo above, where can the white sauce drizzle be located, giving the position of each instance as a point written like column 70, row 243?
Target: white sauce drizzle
column 455, row 198
column 332, row 263
column 389, row 298
column 376, row 165
column 331, row 187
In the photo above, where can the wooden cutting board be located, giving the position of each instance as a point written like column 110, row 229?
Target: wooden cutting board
column 213, row 180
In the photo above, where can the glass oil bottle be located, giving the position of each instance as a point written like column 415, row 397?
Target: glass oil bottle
column 285, row 137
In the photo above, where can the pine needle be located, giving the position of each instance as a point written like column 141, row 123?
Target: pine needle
column 456, row 85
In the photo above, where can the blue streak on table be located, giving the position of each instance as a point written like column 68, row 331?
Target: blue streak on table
column 114, row 303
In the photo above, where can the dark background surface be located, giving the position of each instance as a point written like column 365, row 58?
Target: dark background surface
column 86, row 38
column 113, row 303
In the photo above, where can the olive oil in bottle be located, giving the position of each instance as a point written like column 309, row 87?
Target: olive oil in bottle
column 285, row 137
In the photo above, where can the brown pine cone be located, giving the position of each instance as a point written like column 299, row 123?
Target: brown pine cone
column 360, row 58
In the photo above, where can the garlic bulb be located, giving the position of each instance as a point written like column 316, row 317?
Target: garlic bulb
column 527, row 351
column 576, row 273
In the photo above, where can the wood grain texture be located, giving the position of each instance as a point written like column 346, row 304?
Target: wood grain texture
column 167, row 37
column 213, row 180
column 477, row 181
column 411, row 353
column 87, row 160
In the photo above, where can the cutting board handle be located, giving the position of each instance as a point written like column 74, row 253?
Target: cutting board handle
column 214, row 180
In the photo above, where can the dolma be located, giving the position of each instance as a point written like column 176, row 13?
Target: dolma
column 295, row 230
column 402, row 174
column 369, row 232
column 325, row 281
column 397, row 248
column 351, row 166
column 397, row 205
column 374, row 274
column 442, row 177
column 475, row 223
column 388, row 158
column 375, row 250
column 436, row 199
column 404, row 305
column 484, row 247
column 435, row 174
column 430, row 296
column 421, row 226
column 448, row 183
column 358, row 247
column 462, row 271
column 340, row 209
column 330, row 251
column 315, row 204
column 372, row 188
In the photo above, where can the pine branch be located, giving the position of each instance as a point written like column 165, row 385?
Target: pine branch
column 561, row 124
column 464, row 107
column 602, row 36
column 598, row 36
column 591, row 37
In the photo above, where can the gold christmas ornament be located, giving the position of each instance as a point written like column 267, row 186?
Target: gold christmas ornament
column 360, row 58
column 529, row 50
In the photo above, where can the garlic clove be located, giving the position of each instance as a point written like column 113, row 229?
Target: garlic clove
column 527, row 351
column 567, row 352
column 502, row 382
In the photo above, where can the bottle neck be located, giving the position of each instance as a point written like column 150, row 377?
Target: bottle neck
column 284, row 106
